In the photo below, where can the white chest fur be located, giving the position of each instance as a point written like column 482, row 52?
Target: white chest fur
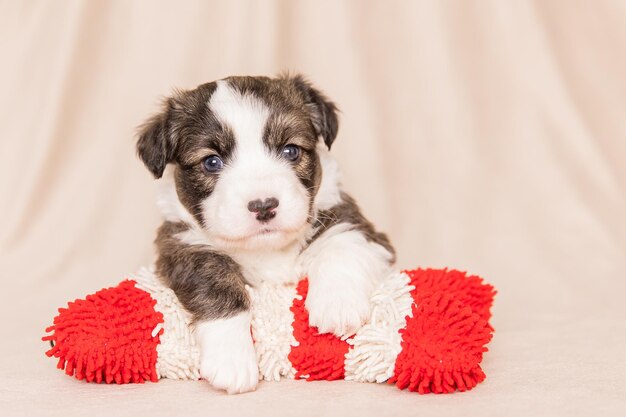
column 272, row 266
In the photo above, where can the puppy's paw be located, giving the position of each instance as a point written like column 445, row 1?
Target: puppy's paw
column 233, row 371
column 343, row 268
column 227, row 357
column 338, row 311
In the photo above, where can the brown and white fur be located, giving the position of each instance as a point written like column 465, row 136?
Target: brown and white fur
column 241, row 206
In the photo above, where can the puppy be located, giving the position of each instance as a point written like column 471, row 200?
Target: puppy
column 249, row 193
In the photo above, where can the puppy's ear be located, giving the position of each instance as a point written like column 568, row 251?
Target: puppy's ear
column 157, row 142
column 323, row 111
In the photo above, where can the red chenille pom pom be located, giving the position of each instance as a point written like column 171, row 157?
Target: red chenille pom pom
column 444, row 339
column 107, row 337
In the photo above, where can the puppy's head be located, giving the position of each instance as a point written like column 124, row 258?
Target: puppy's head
column 245, row 156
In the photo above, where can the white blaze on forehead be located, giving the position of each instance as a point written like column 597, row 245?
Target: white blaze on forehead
column 245, row 115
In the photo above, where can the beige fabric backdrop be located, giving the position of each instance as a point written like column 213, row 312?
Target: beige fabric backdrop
column 484, row 135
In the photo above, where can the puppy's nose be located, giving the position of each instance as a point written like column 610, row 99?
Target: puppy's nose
column 265, row 210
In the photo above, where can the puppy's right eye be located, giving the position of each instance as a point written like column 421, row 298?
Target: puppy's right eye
column 213, row 164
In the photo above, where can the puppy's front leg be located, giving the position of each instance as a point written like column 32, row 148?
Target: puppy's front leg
column 343, row 267
column 227, row 360
column 210, row 285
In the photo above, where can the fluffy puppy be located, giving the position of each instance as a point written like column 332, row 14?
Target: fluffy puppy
column 249, row 193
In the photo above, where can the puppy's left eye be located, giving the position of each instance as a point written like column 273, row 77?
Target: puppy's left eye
column 291, row 152
column 213, row 163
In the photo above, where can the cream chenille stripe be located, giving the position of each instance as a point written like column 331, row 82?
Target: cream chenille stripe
column 272, row 329
column 376, row 345
column 178, row 353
